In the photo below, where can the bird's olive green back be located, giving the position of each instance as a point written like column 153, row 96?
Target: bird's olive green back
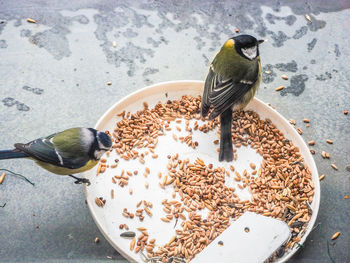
column 69, row 141
column 230, row 64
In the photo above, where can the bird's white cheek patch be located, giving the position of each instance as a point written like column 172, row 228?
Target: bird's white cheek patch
column 98, row 154
column 250, row 52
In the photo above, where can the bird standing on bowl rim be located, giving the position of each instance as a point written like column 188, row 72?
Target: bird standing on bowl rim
column 233, row 78
column 71, row 151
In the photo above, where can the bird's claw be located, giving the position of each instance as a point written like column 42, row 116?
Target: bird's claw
column 82, row 181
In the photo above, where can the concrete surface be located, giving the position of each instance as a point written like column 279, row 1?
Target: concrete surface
column 54, row 74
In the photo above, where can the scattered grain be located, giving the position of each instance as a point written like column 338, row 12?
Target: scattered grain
column 291, row 121
column 2, row 177
column 308, row 18
column 325, row 155
column 335, row 236
column 149, row 213
column 99, row 202
column 132, row 243
column 174, row 136
column 312, row 142
column 30, row 20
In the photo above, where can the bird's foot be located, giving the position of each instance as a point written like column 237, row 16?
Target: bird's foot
column 81, row 180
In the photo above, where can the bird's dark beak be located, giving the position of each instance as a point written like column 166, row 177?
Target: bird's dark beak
column 262, row 41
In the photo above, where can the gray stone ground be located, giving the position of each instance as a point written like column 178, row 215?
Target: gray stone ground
column 53, row 75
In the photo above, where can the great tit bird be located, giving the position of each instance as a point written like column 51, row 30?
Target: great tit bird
column 232, row 80
column 68, row 152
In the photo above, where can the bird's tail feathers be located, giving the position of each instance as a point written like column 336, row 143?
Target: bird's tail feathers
column 11, row 154
column 226, row 152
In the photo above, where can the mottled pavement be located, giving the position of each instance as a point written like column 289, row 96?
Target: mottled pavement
column 54, row 74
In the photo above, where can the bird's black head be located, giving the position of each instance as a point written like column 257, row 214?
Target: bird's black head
column 101, row 143
column 104, row 141
column 247, row 46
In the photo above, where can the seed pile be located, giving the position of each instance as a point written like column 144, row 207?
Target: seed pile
column 282, row 188
column 199, row 186
column 141, row 129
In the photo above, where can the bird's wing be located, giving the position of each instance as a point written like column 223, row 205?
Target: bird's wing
column 207, row 90
column 44, row 150
column 226, row 92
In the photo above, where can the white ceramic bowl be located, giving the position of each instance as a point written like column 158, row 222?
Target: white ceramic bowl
column 109, row 217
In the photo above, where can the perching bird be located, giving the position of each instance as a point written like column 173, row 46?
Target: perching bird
column 68, row 152
column 233, row 78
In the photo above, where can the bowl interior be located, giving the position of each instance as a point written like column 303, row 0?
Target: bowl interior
column 108, row 219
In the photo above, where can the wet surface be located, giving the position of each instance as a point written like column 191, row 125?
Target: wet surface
column 9, row 102
column 54, row 75
column 297, row 85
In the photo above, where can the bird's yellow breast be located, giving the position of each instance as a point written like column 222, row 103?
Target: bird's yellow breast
column 66, row 171
column 250, row 94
